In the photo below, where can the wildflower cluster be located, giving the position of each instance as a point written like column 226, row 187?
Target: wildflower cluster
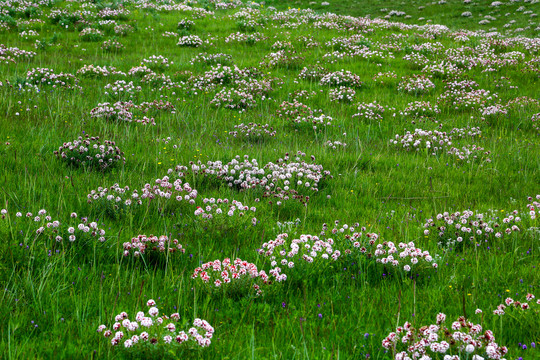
column 112, row 45
column 371, row 111
column 306, row 249
column 462, row 339
column 472, row 227
column 142, row 245
column 417, row 85
column 420, row 110
column 211, row 59
column 341, row 78
column 156, row 331
column 253, row 130
column 342, row 94
column 55, row 233
column 249, row 39
column 435, row 142
column 511, row 305
column 235, row 278
column 190, row 41
column 282, row 58
column 157, row 62
column 96, row 71
column 89, row 152
column 45, row 76
column 91, row 34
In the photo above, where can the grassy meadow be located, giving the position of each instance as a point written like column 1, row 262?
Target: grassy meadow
column 373, row 165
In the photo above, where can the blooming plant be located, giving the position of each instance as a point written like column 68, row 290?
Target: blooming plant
column 253, row 131
column 299, row 257
column 190, row 41
column 144, row 246
column 154, row 331
column 233, row 278
column 473, row 227
column 341, row 78
column 342, row 94
column 435, row 142
column 112, row 45
column 40, row 229
column 513, row 306
column 417, row 85
column 368, row 247
column 91, row 34
column 462, row 340
column 47, row 77
column 89, row 152
column 212, row 59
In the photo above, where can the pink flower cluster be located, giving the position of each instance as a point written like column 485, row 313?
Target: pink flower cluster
column 454, row 228
column 156, row 331
column 238, row 276
column 142, row 244
column 510, row 303
column 462, row 339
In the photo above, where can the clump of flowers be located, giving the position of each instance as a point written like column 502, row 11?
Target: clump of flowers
column 286, row 179
column 119, row 111
column 165, row 191
column 420, row 110
column 312, row 73
column 156, row 331
column 112, row 45
column 436, row 142
column 385, row 78
column 234, row 278
column 236, row 99
column 123, row 111
column 282, row 58
column 13, row 54
column 299, row 113
column 89, row 152
column 157, row 62
column 417, row 85
column 252, row 130
column 91, row 34
column 342, row 94
column 298, row 252
column 123, row 29
column 354, row 240
column 462, row 339
column 249, row 39
column 45, row 76
column 492, row 112
column 189, row 41
column 341, row 78
column 511, row 305
column 371, row 111
column 535, row 120
column 96, row 71
column 185, row 24
column 122, row 90
column 442, row 69
column 294, row 111
column 464, row 96
column 471, row 227
column 334, row 144
column 142, row 246
column 211, row 59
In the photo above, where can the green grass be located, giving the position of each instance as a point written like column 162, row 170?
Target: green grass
column 51, row 305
